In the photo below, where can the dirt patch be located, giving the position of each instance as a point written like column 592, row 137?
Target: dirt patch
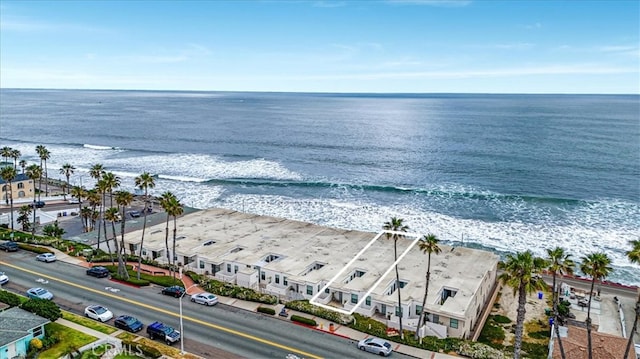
column 508, row 306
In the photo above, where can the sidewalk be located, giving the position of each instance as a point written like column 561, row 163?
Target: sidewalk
column 324, row 325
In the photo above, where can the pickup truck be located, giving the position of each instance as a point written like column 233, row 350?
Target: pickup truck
column 9, row 246
column 164, row 332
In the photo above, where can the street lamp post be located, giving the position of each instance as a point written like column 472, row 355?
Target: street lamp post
column 181, row 326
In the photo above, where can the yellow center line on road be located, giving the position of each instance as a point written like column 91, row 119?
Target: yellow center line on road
column 215, row 326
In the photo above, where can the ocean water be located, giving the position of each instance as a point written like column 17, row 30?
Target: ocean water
column 500, row 172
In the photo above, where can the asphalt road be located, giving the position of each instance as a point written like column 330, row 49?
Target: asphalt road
column 219, row 331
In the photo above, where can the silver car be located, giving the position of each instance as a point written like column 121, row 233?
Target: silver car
column 376, row 346
column 46, row 257
column 205, row 298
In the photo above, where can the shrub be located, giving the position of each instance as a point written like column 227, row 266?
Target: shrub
column 501, row 319
column 233, row 291
column 303, row 320
column 266, row 310
column 9, row 298
column 305, row 307
column 35, row 343
column 195, row 277
column 479, row 351
column 542, row 334
column 44, row 308
column 35, row 249
column 132, row 279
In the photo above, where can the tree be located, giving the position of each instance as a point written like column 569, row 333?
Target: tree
column 123, row 199
column 111, row 182
column 23, row 165
column 67, row 170
column 53, row 230
column 634, row 257
column 166, row 200
column 522, row 272
column 93, row 197
column 34, row 172
column 96, row 171
column 8, row 174
column 6, row 152
column 15, row 154
column 79, row 193
column 144, row 182
column 112, row 216
column 45, row 308
column 395, row 225
column 597, row 266
column 559, row 263
column 23, row 217
column 428, row 244
column 175, row 210
column 44, row 155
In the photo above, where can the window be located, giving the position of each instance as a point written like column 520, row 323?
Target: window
column 37, row 331
column 326, row 290
column 201, row 265
column 310, row 289
column 398, row 311
column 262, row 275
column 354, row 298
column 436, row 318
column 418, row 309
column 235, row 269
column 228, row 267
column 20, row 185
column 367, row 301
column 277, row 278
column 284, row 281
column 453, row 323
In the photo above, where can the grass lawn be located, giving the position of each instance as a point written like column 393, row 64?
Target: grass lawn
column 89, row 323
column 69, row 339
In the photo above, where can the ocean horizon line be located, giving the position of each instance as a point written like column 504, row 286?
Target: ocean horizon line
column 325, row 92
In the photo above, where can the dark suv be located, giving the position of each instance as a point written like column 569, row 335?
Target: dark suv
column 37, row 204
column 9, row 246
column 98, row 272
column 174, row 291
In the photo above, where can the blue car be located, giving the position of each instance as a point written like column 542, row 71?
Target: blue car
column 39, row 293
column 128, row 323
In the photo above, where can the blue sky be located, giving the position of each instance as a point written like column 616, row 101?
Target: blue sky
column 416, row 46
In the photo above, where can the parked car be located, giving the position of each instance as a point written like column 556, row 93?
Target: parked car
column 9, row 246
column 98, row 312
column 205, row 298
column 164, row 332
column 98, row 272
column 376, row 346
column 128, row 323
column 4, row 279
column 73, row 200
column 134, row 214
column 39, row 293
column 174, row 290
column 37, row 204
column 46, row 257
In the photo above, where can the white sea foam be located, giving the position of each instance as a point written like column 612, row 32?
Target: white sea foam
column 98, row 147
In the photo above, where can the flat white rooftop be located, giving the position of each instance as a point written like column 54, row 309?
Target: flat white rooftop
column 293, row 248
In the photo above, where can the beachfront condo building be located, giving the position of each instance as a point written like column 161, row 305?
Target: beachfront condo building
column 295, row 260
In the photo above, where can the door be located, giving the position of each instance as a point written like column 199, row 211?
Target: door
column 383, row 309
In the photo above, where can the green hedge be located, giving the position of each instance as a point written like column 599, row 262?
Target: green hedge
column 305, row 307
column 132, row 279
column 234, row 291
column 303, row 320
column 44, row 308
column 35, row 249
column 267, row 310
column 9, row 298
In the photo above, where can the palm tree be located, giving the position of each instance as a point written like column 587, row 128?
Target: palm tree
column 96, row 171
column 23, row 217
column 5, row 152
column 559, row 263
column 174, row 209
column 93, row 197
column 166, row 200
column 44, row 155
column 634, row 257
column 23, row 165
column 34, row 172
column 522, row 273
column 67, row 170
column 113, row 216
column 79, row 193
column 123, row 199
column 102, row 188
column 86, row 215
column 596, row 265
column 8, row 174
column 144, row 181
column 15, row 154
column 428, row 244
column 396, row 225
column 111, row 182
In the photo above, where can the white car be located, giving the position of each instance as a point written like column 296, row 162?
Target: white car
column 98, row 312
column 205, row 298
column 46, row 257
column 3, row 278
column 376, row 346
